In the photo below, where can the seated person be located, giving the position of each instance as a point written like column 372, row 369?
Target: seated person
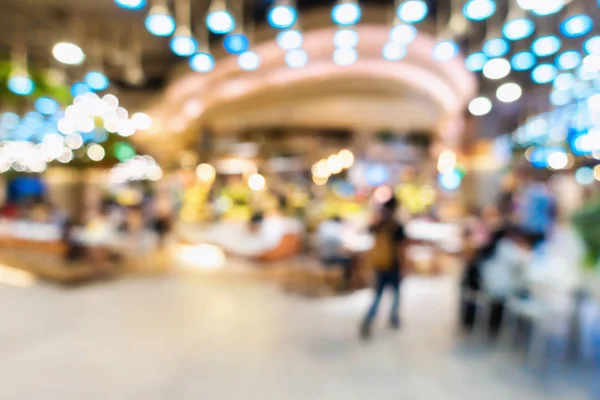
column 330, row 246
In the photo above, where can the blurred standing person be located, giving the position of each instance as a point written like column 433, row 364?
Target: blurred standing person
column 330, row 244
column 538, row 211
column 387, row 258
column 163, row 218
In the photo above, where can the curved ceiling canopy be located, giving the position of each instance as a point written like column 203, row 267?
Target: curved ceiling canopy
column 417, row 92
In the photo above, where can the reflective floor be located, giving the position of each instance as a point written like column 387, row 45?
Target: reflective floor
column 225, row 337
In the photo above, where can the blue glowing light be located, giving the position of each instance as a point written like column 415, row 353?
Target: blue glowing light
column 20, row 85
column 560, row 98
column 282, row 17
column 577, row 25
column 546, row 46
column 478, row 10
column 547, row 7
column 160, row 24
column 96, row 80
column 202, row 62
column 412, row 11
column 585, row 176
column 131, row 4
column 568, row 60
column 220, row 22
column 249, row 61
column 183, row 46
column 445, row 50
column 236, row 43
column 476, row 61
column 450, row 180
column 376, row 174
column 80, row 88
column 564, row 81
column 523, row 61
column 46, row 105
column 592, row 45
column 496, row 47
column 9, row 121
column 346, row 13
column 518, row 29
column 544, row 73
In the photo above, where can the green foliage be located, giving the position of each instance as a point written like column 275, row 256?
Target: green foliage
column 44, row 86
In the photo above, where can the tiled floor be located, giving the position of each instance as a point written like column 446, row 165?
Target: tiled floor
column 212, row 337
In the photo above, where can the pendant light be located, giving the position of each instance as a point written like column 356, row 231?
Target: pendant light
column 19, row 82
column 159, row 20
column 183, row 43
column 219, row 20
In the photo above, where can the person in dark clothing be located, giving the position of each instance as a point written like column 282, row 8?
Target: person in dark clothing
column 387, row 257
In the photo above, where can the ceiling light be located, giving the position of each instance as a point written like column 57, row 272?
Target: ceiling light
column 345, row 56
column 236, row 43
column 476, row 61
column 564, row 82
column 394, row 51
column 46, row 105
column 297, row 58
column 183, row 45
column 344, row 38
column 412, row 11
column 592, row 45
column 220, row 22
column 96, row 80
column 523, row 61
column 568, row 60
column 546, row 45
column 577, row 25
column 403, row 33
column 159, row 21
column 509, row 92
column 68, row 53
column 496, row 68
column 290, row 39
column 282, row 16
column 591, row 63
column 249, row 61
column 560, row 98
column 518, row 29
column 131, row 4
column 544, row 73
column 346, row 13
column 478, row 10
column 496, row 47
column 20, row 84
column 202, row 62
column 445, row 50
column 545, row 7
column 480, row 106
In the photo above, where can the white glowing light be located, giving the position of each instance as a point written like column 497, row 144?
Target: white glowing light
column 142, row 121
column 347, row 158
column 256, row 182
column 297, row 58
column 206, row 172
column 335, row 164
column 403, row 33
column 558, row 160
column 394, row 51
column 68, row 53
column 345, row 56
column 95, row 152
column 249, row 61
column 509, row 92
column 497, row 68
column 290, row 39
column 74, row 141
column 344, row 38
column 480, row 106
